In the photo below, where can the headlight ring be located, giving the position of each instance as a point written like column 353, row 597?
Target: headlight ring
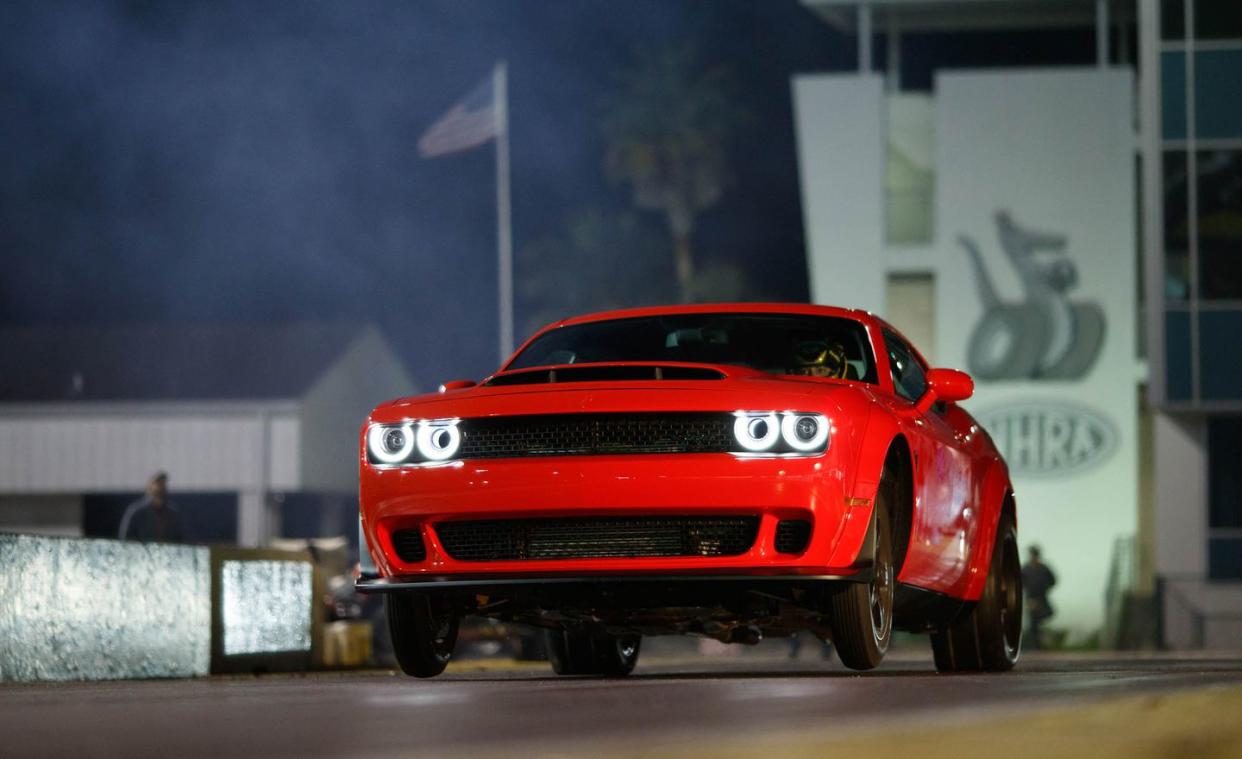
column 788, row 432
column 756, row 431
column 438, row 441
column 804, row 432
column 391, row 444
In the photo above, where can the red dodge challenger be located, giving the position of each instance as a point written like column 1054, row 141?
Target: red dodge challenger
column 728, row 471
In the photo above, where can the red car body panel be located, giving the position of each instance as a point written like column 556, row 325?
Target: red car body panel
column 959, row 481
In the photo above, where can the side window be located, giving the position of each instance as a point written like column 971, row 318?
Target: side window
column 909, row 380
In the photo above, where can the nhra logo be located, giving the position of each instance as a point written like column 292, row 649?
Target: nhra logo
column 1050, row 439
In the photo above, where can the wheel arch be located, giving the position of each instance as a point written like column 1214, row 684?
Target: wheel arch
column 997, row 499
column 900, row 459
column 883, row 443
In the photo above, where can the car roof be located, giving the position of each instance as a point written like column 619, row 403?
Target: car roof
column 807, row 309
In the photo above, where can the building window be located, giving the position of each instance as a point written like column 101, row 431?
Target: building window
column 1173, row 95
column 1172, row 19
column 1177, row 356
column 1224, row 499
column 909, row 173
column 1176, row 227
column 1217, row 19
column 1219, row 189
column 1218, row 110
column 1220, row 362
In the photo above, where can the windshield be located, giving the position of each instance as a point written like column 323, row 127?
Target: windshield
column 815, row 346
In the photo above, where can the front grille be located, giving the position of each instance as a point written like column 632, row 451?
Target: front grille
column 409, row 546
column 597, row 537
column 792, row 535
column 592, row 434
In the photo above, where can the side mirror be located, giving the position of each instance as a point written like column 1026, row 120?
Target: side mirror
column 946, row 385
column 457, row 385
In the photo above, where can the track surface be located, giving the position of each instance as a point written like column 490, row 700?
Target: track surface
column 520, row 710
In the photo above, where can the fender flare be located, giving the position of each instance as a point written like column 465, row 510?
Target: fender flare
column 855, row 540
column 996, row 496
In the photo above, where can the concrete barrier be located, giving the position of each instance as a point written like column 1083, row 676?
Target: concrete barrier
column 82, row 609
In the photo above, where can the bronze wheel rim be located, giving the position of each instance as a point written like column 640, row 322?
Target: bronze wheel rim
column 881, row 589
column 1009, row 595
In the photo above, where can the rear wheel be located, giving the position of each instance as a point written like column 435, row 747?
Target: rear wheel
column 862, row 613
column 424, row 632
column 579, row 652
column 989, row 638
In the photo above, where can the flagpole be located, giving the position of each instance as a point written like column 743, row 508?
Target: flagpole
column 504, row 226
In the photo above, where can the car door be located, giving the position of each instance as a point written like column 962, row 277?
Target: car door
column 943, row 518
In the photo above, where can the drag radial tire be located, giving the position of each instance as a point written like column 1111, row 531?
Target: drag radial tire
column 579, row 652
column 423, row 630
column 862, row 613
column 989, row 638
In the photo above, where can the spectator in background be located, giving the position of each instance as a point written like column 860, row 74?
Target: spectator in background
column 1037, row 580
column 153, row 518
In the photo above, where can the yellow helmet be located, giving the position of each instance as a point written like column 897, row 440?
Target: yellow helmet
column 820, row 358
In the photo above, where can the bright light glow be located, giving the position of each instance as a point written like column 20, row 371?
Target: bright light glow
column 378, row 440
column 790, row 423
column 756, row 430
column 438, row 440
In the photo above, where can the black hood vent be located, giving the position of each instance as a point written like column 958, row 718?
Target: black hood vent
column 605, row 373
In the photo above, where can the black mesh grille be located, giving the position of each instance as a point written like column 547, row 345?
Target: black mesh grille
column 587, row 434
column 792, row 535
column 597, row 537
column 409, row 546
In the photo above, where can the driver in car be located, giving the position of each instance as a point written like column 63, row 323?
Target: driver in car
column 819, row 358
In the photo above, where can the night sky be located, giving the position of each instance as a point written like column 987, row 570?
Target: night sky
column 208, row 162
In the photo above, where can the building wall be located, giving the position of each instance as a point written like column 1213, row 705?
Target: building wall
column 79, row 448
column 1051, row 150
column 334, row 409
column 1193, row 164
column 840, row 129
column 1180, row 495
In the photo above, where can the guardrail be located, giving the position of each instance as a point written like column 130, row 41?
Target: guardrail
column 86, row 609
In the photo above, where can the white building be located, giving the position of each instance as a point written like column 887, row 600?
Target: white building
column 998, row 219
column 247, row 420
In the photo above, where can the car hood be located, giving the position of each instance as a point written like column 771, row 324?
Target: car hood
column 736, row 390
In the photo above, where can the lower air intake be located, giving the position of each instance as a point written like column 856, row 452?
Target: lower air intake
column 792, row 535
column 597, row 537
column 408, row 545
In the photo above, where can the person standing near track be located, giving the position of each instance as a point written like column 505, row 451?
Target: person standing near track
column 1037, row 580
column 153, row 518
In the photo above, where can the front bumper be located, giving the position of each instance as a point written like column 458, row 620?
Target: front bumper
column 806, row 488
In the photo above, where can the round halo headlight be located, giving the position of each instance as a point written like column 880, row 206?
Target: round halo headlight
column 391, row 444
column 438, row 441
column 804, row 432
column 756, row 432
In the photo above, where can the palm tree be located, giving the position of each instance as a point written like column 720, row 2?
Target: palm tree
column 667, row 129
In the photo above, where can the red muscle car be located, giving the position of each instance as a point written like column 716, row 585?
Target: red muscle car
column 729, row 471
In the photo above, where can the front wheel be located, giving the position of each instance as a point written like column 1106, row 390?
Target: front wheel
column 989, row 638
column 862, row 613
column 424, row 632
column 580, row 652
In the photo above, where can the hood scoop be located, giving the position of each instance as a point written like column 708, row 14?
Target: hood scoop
column 604, row 373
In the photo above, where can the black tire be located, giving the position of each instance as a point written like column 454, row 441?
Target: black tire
column 424, row 632
column 989, row 638
column 862, row 613
column 578, row 652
